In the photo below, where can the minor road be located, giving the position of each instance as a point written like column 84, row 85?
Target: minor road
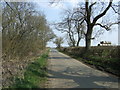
column 66, row 72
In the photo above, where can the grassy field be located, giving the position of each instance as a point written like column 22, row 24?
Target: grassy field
column 103, row 58
column 35, row 74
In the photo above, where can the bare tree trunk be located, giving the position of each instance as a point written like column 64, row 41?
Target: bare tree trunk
column 73, row 44
column 88, row 37
column 90, row 24
column 78, row 41
column 88, row 43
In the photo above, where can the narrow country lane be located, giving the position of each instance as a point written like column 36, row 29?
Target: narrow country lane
column 65, row 72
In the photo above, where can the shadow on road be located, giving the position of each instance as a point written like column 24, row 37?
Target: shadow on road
column 84, row 81
column 77, row 77
column 59, row 58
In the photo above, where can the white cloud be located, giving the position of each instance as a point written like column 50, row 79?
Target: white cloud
column 58, row 6
column 46, row 4
column 74, row 2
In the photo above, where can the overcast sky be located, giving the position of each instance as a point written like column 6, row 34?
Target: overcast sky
column 54, row 13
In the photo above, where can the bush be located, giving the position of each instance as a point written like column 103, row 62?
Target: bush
column 106, row 57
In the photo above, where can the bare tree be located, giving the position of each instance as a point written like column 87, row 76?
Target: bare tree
column 58, row 41
column 91, row 17
column 72, row 24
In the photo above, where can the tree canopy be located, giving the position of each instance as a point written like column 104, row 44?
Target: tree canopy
column 24, row 29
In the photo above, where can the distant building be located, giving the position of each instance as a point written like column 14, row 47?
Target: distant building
column 104, row 43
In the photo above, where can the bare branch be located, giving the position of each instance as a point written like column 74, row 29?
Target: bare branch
column 90, row 7
column 107, row 27
column 115, row 10
column 114, row 23
column 103, row 13
column 103, row 26
column 9, row 5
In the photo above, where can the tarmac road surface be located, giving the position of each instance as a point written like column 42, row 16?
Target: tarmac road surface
column 66, row 72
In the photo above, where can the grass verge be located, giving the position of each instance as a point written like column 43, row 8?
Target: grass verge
column 103, row 64
column 35, row 74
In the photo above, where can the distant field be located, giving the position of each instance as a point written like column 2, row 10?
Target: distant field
column 106, row 58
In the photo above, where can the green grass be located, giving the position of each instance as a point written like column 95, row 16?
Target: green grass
column 107, row 64
column 35, row 74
